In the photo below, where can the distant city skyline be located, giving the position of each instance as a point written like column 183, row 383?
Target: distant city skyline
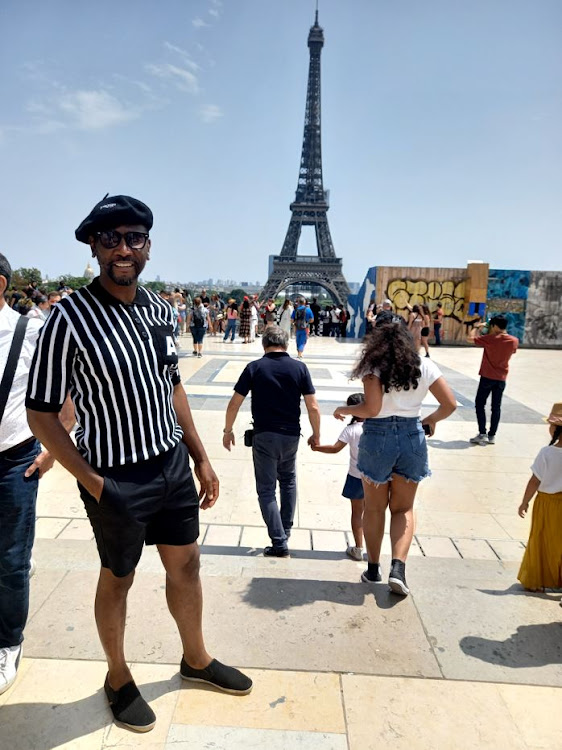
column 442, row 137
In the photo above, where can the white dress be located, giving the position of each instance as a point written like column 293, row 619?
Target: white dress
column 285, row 321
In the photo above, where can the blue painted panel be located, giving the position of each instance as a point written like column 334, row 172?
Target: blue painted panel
column 358, row 303
column 508, row 284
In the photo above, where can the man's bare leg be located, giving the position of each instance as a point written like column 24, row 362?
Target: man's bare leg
column 111, row 611
column 185, row 599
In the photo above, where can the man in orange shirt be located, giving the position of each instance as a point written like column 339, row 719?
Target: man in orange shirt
column 498, row 347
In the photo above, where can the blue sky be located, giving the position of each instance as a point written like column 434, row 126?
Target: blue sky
column 442, row 129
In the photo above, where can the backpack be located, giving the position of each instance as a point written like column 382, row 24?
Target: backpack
column 198, row 319
column 300, row 318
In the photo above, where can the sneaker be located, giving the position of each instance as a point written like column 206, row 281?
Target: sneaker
column 32, row 568
column 368, row 577
column 227, row 679
column 397, row 578
column 479, row 439
column 194, row 353
column 276, row 552
column 356, row 553
column 10, row 658
column 199, row 355
column 129, row 708
column 491, row 439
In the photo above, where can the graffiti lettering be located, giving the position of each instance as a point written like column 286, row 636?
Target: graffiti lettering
column 408, row 292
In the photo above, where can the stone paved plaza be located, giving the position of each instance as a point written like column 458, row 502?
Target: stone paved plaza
column 469, row 660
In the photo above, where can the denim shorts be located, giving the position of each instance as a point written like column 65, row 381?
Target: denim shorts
column 353, row 488
column 393, row 445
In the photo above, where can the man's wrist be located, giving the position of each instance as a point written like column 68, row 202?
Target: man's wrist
column 227, row 432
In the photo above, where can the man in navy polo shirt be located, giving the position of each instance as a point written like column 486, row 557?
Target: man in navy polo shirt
column 277, row 382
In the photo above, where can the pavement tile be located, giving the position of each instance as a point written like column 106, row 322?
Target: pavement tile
column 254, row 536
column 386, row 548
column 298, row 701
column 514, row 526
column 41, row 586
column 437, row 546
column 49, row 528
column 65, row 502
column 406, row 714
column 535, row 711
column 159, row 685
column 483, row 625
column 509, row 550
column 475, row 549
column 222, row 536
column 184, row 737
column 445, row 523
column 329, row 541
column 77, row 529
column 300, row 539
column 57, row 704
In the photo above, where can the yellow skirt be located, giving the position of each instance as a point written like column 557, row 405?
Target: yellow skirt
column 542, row 562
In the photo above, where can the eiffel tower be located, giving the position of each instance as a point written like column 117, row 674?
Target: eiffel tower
column 311, row 203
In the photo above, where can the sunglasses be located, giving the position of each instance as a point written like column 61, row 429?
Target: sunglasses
column 112, row 239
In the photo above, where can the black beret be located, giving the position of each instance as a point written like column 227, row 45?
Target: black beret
column 114, row 211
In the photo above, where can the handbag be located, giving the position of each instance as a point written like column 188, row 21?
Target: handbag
column 249, row 437
column 12, row 362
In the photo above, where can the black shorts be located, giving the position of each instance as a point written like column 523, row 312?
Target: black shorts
column 150, row 502
column 425, row 331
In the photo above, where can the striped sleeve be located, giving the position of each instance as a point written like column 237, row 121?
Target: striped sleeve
column 51, row 369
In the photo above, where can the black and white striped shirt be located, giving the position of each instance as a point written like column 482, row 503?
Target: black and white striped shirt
column 120, row 365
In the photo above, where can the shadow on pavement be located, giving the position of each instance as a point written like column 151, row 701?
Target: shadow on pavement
column 449, row 445
column 517, row 590
column 529, row 646
column 28, row 725
column 279, row 594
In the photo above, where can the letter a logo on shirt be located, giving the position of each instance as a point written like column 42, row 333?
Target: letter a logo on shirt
column 170, row 346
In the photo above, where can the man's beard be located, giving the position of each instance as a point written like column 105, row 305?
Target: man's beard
column 121, row 280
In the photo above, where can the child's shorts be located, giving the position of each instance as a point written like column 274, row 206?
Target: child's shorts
column 353, row 488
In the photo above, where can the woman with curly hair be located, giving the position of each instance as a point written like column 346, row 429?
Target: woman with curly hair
column 392, row 456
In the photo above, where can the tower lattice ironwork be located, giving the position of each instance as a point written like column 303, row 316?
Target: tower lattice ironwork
column 311, row 203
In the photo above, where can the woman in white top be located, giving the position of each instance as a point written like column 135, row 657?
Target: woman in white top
column 285, row 320
column 542, row 563
column 392, row 456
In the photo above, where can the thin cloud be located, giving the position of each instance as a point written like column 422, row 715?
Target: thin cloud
column 183, row 79
column 210, row 113
column 214, row 12
column 188, row 62
column 199, row 23
column 95, row 110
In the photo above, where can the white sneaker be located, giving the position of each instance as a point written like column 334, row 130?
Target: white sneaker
column 9, row 663
column 479, row 439
column 356, row 553
column 491, row 439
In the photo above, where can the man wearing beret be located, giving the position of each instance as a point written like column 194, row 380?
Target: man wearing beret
column 111, row 345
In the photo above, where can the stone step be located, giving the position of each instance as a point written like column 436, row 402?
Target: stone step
column 461, row 621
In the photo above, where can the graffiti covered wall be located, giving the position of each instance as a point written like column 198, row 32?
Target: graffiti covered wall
column 507, row 294
column 543, row 318
column 427, row 286
column 531, row 300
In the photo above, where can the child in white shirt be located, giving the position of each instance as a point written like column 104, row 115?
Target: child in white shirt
column 353, row 487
